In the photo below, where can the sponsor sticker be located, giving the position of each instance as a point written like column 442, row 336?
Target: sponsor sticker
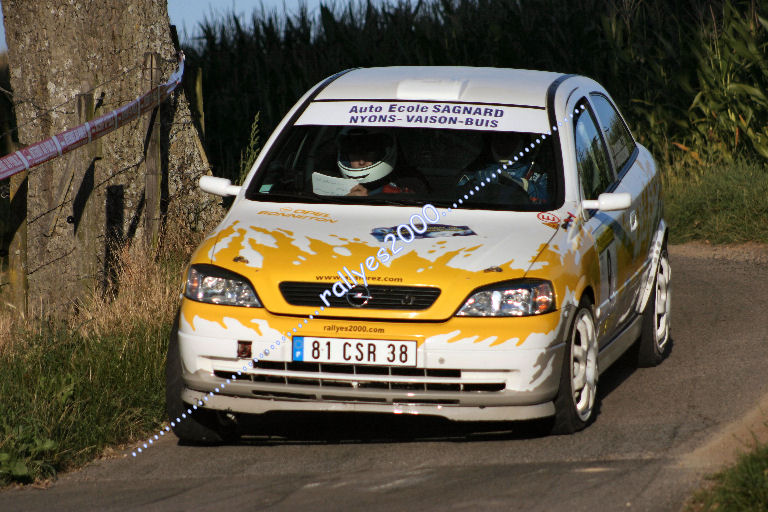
column 549, row 219
column 299, row 214
column 353, row 328
column 432, row 231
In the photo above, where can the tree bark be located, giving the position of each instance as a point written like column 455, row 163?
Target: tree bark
column 76, row 46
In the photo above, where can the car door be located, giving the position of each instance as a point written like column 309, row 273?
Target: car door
column 596, row 175
column 622, row 152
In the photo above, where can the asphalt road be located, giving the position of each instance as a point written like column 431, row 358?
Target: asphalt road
column 658, row 432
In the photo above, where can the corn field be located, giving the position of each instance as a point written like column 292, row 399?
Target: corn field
column 691, row 76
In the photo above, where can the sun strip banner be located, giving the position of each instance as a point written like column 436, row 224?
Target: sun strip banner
column 64, row 142
column 426, row 114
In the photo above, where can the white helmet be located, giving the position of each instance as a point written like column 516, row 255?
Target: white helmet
column 375, row 147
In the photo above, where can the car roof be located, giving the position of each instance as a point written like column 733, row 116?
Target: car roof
column 443, row 83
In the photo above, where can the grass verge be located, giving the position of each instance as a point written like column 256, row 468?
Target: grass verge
column 70, row 395
column 741, row 487
column 72, row 386
column 721, row 203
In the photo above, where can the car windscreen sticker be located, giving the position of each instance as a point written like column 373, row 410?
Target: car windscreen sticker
column 433, row 231
column 457, row 116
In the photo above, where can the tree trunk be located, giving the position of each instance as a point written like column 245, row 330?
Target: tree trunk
column 82, row 204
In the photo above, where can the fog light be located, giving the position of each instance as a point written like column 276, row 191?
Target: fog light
column 243, row 349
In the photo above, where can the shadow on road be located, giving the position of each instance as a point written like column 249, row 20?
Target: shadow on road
column 622, row 369
column 333, row 428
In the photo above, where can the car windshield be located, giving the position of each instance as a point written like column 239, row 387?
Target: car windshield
column 377, row 163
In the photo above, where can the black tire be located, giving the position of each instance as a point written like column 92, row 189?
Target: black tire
column 655, row 339
column 570, row 417
column 202, row 426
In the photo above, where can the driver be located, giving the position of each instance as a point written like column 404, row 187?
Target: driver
column 369, row 157
column 523, row 172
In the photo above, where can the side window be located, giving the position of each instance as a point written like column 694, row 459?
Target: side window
column 619, row 140
column 591, row 159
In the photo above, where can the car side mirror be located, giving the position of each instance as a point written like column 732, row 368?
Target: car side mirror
column 608, row 202
column 219, row 186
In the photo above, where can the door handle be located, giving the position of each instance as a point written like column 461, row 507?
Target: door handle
column 633, row 220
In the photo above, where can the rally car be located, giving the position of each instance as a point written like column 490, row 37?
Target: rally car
column 471, row 243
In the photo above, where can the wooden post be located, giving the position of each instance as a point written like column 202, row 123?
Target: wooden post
column 153, row 177
column 86, row 228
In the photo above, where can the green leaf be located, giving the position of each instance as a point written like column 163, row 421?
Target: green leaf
column 754, row 92
column 46, row 445
column 763, row 22
column 762, row 149
column 19, row 469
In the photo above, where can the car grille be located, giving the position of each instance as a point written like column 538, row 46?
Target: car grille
column 382, row 297
column 327, row 377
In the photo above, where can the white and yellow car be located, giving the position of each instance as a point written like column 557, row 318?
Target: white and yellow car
column 472, row 243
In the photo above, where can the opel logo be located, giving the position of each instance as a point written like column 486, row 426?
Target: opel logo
column 358, row 296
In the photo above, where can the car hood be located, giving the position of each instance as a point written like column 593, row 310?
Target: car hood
column 270, row 243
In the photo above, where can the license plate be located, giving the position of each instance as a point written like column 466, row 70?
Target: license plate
column 354, row 351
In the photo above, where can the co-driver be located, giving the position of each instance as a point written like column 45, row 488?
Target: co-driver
column 523, row 172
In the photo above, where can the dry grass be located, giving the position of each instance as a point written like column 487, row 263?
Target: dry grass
column 145, row 290
column 10, row 322
column 146, row 285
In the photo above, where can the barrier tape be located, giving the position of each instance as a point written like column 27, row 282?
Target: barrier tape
column 64, row 142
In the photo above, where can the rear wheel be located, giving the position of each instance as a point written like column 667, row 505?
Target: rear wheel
column 655, row 338
column 202, row 426
column 575, row 401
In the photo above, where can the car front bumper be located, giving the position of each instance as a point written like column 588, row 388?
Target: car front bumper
column 467, row 395
column 471, row 369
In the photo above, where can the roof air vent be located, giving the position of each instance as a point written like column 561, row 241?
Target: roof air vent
column 431, row 89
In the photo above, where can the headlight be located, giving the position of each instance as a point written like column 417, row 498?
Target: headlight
column 515, row 298
column 209, row 283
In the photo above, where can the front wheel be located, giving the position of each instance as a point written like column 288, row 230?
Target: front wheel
column 575, row 401
column 655, row 338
